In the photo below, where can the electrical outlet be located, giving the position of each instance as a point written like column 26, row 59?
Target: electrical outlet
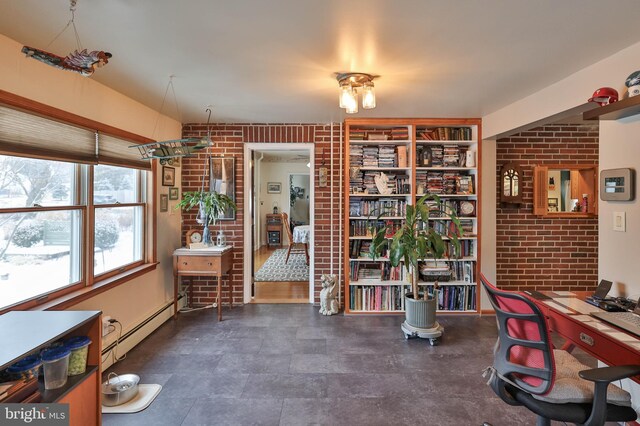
column 105, row 325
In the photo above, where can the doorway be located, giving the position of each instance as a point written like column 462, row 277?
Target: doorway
column 279, row 196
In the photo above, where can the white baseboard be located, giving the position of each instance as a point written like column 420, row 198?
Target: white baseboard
column 132, row 339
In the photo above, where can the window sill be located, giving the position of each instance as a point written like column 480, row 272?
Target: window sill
column 75, row 297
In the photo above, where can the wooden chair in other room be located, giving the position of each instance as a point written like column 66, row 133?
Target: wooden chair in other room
column 294, row 247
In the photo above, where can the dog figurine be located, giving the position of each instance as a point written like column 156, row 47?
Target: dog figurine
column 328, row 302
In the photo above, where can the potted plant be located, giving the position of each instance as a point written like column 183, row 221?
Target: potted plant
column 422, row 236
column 212, row 205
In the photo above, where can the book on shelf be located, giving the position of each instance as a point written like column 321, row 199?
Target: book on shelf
column 376, row 298
column 402, row 156
column 455, row 297
column 359, row 207
column 445, row 133
column 377, row 271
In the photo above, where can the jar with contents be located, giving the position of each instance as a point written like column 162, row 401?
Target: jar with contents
column 56, row 366
column 25, row 369
column 79, row 347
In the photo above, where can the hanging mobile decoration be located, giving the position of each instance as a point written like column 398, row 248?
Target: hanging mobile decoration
column 80, row 61
column 167, row 151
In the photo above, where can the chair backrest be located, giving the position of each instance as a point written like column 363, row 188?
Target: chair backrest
column 524, row 353
column 287, row 226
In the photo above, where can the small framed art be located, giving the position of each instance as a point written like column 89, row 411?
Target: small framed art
column 274, row 187
column 168, row 176
column 164, row 203
column 173, row 193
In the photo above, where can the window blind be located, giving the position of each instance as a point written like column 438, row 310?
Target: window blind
column 30, row 135
column 116, row 152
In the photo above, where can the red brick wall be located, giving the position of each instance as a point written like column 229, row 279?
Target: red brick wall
column 535, row 252
column 229, row 140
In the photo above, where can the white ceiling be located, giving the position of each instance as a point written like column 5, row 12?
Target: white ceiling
column 274, row 61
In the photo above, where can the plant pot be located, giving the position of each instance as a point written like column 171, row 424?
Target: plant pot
column 420, row 313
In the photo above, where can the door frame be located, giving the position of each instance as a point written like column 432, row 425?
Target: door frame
column 248, row 218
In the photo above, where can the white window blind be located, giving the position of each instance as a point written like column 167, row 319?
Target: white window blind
column 116, row 152
column 30, row 135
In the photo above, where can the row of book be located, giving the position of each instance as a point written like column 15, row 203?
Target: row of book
column 395, row 133
column 379, row 271
column 450, row 155
column 359, row 249
column 362, row 227
column 449, row 228
column 376, row 298
column 391, row 298
column 359, row 207
column 448, row 206
column 445, row 133
column 383, row 155
column 447, row 183
column 456, row 271
column 396, row 184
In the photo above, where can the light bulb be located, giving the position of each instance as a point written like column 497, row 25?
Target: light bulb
column 368, row 95
column 352, row 103
column 345, row 94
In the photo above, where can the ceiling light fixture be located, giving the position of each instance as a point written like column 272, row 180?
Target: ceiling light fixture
column 349, row 82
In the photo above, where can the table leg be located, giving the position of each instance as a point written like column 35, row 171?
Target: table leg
column 219, row 298
column 230, row 278
column 175, row 296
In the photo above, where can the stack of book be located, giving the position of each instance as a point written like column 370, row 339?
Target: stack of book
column 370, row 182
column 370, row 156
column 387, row 156
column 435, row 183
column 451, row 156
column 400, row 133
column 355, row 155
column 357, row 135
column 450, row 182
column 437, row 156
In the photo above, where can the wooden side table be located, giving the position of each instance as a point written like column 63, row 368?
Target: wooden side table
column 209, row 262
column 274, row 230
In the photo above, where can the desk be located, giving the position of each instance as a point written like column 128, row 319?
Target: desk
column 209, row 262
column 569, row 316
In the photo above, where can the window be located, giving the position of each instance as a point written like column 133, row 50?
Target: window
column 65, row 225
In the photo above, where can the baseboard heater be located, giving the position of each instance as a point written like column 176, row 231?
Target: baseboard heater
column 137, row 328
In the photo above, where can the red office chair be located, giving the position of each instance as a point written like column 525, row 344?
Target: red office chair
column 528, row 371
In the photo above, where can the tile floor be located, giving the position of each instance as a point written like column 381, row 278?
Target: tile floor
column 288, row 365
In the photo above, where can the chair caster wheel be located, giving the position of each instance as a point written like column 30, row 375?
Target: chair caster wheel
column 407, row 336
column 433, row 342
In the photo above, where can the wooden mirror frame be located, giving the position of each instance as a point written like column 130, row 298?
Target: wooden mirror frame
column 584, row 180
column 513, row 169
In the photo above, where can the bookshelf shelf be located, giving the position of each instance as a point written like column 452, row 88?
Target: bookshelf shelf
column 418, row 156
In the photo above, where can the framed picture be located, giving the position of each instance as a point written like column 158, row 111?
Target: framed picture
column 552, row 204
column 164, row 203
column 168, row 176
column 173, row 193
column 223, row 180
column 274, row 187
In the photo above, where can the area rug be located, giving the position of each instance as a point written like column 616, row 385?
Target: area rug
column 274, row 269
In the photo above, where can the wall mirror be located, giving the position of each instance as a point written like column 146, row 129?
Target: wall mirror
column 565, row 190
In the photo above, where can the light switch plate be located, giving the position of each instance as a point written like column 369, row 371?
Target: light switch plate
column 619, row 221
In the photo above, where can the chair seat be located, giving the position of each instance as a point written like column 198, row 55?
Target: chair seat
column 570, row 412
column 569, row 387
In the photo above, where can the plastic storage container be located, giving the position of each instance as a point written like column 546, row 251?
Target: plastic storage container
column 56, row 365
column 79, row 347
column 26, row 368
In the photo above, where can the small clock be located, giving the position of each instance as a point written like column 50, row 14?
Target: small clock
column 467, row 208
column 194, row 236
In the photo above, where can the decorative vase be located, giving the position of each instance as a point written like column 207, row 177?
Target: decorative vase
column 420, row 313
column 206, row 235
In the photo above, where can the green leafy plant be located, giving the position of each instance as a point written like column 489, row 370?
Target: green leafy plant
column 213, row 204
column 417, row 239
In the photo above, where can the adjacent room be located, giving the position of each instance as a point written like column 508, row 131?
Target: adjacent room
column 321, row 212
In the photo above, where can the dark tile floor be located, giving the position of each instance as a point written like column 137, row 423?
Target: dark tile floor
column 289, row 365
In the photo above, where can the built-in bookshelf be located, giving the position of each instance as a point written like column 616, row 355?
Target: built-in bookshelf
column 391, row 164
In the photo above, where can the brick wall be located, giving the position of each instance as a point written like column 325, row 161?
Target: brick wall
column 536, row 252
column 229, row 140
